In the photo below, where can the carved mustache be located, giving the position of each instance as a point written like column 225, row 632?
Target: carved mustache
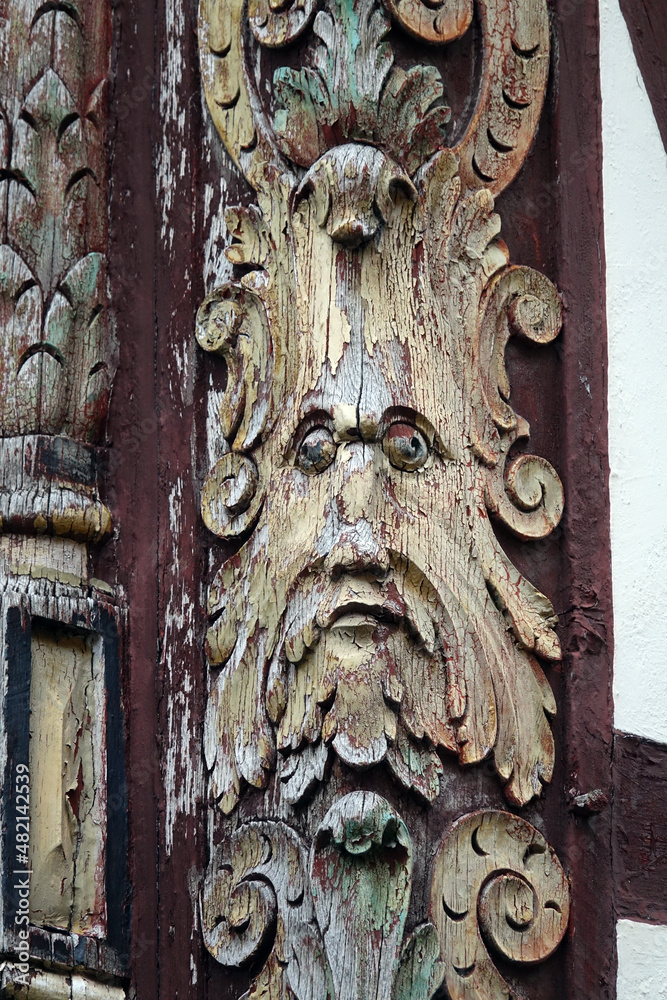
column 358, row 601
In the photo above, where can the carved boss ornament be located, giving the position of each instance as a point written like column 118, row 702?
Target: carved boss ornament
column 370, row 615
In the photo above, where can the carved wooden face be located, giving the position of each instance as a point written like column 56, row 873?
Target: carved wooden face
column 370, row 614
column 367, row 613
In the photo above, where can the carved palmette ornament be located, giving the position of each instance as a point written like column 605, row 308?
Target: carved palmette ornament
column 332, row 918
column 369, row 615
column 58, row 357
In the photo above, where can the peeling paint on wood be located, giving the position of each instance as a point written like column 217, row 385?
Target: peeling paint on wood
column 57, row 366
column 68, row 782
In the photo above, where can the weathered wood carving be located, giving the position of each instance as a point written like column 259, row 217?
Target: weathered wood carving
column 370, row 616
column 333, row 923
column 59, row 629
column 58, row 354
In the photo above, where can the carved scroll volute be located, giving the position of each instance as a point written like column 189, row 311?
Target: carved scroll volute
column 232, row 323
column 516, row 67
column 255, row 902
column 524, row 492
column 436, row 21
column 496, row 880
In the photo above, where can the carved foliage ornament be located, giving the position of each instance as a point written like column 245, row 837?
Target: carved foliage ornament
column 58, row 358
column 370, row 615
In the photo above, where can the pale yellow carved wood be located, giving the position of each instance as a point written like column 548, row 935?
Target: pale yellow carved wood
column 43, row 985
column 496, row 880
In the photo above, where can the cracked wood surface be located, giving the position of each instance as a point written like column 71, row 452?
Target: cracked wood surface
column 58, row 364
column 68, row 782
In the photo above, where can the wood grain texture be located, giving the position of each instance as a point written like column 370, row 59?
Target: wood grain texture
column 586, row 595
column 68, row 778
column 496, row 884
column 51, row 986
column 61, row 630
column 58, row 362
column 640, row 853
column 57, row 366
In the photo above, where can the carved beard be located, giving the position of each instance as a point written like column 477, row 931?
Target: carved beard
column 361, row 668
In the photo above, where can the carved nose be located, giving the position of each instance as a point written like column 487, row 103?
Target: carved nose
column 357, row 551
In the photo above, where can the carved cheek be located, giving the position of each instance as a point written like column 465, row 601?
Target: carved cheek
column 296, row 508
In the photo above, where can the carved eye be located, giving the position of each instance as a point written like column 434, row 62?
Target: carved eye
column 405, row 447
column 317, row 451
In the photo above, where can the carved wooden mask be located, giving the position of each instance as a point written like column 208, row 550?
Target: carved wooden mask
column 370, row 622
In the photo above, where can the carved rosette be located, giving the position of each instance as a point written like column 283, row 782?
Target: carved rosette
column 58, row 356
column 370, row 617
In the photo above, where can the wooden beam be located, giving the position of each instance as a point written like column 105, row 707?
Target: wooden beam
column 648, row 30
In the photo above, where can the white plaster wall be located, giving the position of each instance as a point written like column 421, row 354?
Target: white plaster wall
column 635, row 215
column 642, row 961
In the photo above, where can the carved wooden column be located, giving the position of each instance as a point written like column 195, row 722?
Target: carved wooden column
column 63, row 819
column 371, row 643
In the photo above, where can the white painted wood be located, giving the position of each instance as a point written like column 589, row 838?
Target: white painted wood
column 635, row 213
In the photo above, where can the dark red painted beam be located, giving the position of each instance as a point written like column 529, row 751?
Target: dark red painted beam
column 639, row 817
column 647, row 24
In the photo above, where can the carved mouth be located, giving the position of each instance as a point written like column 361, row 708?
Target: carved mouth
column 355, row 602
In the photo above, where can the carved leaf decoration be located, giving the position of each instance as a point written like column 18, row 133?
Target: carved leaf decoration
column 21, row 325
column 416, row 766
column 55, row 219
column 360, row 874
column 50, row 177
column 496, row 880
column 328, row 105
column 339, row 98
column 524, row 745
column 238, row 743
column 528, row 612
column 77, row 324
column 515, row 71
column 421, row 971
